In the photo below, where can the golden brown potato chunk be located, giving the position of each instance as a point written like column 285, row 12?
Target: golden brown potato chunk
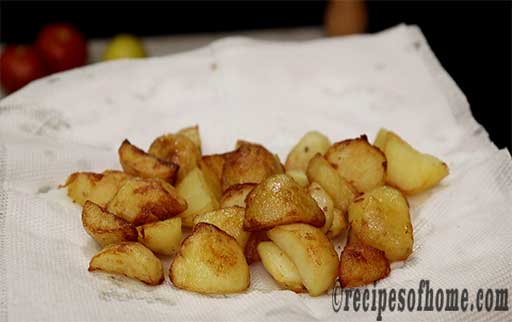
column 104, row 227
column 324, row 201
column 360, row 163
column 341, row 192
column 210, row 262
column 99, row 188
column 380, row 218
column 141, row 201
column 178, row 149
column 140, row 164
column 250, row 163
column 236, row 195
column 192, row 133
column 200, row 197
column 339, row 224
column 361, row 264
column 409, row 170
column 130, row 259
column 279, row 200
column 309, row 145
column 251, row 251
column 229, row 220
column 299, row 176
column 162, row 237
column 312, row 253
column 215, row 162
column 211, row 179
column 280, row 267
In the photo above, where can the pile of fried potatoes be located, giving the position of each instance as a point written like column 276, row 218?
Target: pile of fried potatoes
column 244, row 206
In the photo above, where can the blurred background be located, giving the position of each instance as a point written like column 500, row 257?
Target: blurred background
column 471, row 39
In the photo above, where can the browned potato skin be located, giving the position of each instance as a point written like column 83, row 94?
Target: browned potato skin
column 251, row 250
column 279, row 200
column 211, row 178
column 216, row 163
column 347, row 164
column 104, row 227
column 140, row 164
column 178, row 149
column 192, row 133
column 236, row 195
column 141, row 201
column 361, row 264
column 249, row 163
column 100, row 188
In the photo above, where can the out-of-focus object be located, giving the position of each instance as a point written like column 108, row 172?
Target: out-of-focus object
column 345, row 17
column 62, row 47
column 19, row 65
column 124, row 46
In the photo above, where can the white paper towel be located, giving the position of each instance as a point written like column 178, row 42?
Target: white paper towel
column 260, row 91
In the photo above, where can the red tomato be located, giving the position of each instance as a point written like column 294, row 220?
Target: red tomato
column 18, row 66
column 62, row 47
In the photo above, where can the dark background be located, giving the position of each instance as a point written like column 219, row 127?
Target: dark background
column 471, row 39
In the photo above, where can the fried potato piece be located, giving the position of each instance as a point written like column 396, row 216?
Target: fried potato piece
column 299, row 176
column 162, row 237
column 360, row 163
column 236, row 195
column 99, row 188
column 251, row 251
column 215, row 162
column 229, row 220
column 141, row 201
column 130, row 259
column 361, row 264
column 210, row 262
column 140, row 164
column 380, row 218
column 309, row 145
column 250, row 163
column 339, row 224
column 312, row 253
column 178, row 149
column 324, row 201
column 279, row 200
column 408, row 169
column 280, row 267
column 104, row 227
column 200, row 197
column 192, row 133
column 341, row 192
column 211, row 179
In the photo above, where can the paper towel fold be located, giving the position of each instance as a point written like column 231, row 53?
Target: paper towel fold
column 262, row 91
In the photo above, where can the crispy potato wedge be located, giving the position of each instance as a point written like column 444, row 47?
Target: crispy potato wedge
column 251, row 250
column 250, row 163
column 130, row 259
column 280, row 267
column 140, row 164
column 192, row 133
column 299, row 176
column 104, row 227
column 361, row 264
column 381, row 138
column 360, row 163
column 312, row 253
column 210, row 262
column 229, row 220
column 211, row 179
column 309, row 145
column 99, row 188
column 341, row 192
column 279, row 200
column 236, row 195
column 200, row 197
column 380, row 218
column 324, row 201
column 215, row 162
column 178, row 149
column 408, row 169
column 141, row 201
column 339, row 224
column 162, row 237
